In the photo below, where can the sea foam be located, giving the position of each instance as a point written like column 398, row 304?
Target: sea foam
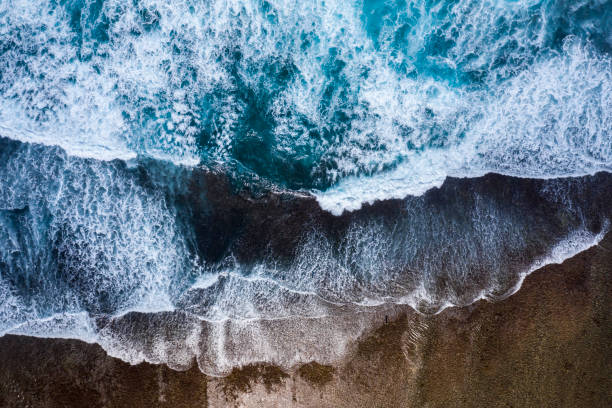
column 355, row 102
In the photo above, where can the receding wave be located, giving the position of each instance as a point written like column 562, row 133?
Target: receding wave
column 125, row 255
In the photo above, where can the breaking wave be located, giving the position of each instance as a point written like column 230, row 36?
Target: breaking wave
column 330, row 96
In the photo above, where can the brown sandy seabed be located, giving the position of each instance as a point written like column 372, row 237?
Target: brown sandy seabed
column 548, row 345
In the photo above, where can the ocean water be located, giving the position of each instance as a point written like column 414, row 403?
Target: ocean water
column 240, row 173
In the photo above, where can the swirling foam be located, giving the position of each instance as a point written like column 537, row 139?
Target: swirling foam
column 553, row 120
column 358, row 101
column 81, row 236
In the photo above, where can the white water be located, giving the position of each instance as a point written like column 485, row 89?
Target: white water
column 548, row 114
column 322, row 334
column 554, row 120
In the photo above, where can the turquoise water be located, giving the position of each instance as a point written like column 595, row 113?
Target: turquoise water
column 208, row 161
column 308, row 94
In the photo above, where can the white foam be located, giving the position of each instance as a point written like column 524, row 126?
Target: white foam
column 118, row 242
column 550, row 121
column 422, row 172
column 572, row 245
column 63, row 98
column 160, row 80
column 62, row 325
column 280, row 316
column 220, row 345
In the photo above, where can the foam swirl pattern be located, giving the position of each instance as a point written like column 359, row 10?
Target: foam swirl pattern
column 331, row 96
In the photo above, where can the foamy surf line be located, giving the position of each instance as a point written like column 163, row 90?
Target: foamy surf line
column 568, row 248
column 353, row 193
column 82, row 327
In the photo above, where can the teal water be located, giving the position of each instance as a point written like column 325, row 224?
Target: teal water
column 305, row 95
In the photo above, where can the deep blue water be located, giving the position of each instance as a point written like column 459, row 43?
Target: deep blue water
column 117, row 117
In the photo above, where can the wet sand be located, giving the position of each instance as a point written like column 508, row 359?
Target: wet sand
column 548, row 345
